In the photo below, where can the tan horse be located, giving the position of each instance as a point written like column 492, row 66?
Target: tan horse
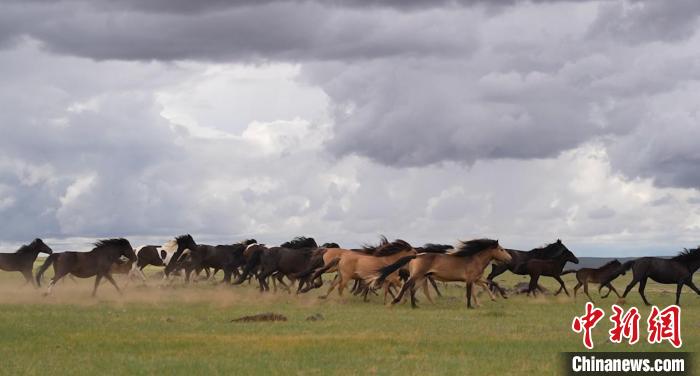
column 363, row 265
column 467, row 264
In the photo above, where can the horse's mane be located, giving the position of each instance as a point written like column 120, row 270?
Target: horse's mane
column 371, row 249
column 392, row 248
column 114, row 242
column 435, row 248
column 688, row 255
column 300, row 242
column 472, row 247
column 548, row 251
column 330, row 245
column 183, row 237
column 248, row 242
column 610, row 263
column 30, row 246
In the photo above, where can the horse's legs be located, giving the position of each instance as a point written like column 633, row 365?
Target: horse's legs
column 341, row 285
column 280, row 279
column 28, row 277
column 532, row 288
column 585, row 290
column 432, row 282
column 426, row 289
column 111, row 280
column 690, row 284
column 642, row 285
column 334, row 283
column 679, row 287
column 485, row 287
column 578, row 286
column 563, row 286
column 611, row 288
column 409, row 283
column 98, row 277
column 469, row 295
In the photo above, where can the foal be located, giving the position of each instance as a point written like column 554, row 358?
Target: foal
column 585, row 275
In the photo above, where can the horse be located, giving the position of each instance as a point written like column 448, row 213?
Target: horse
column 154, row 255
column 177, row 247
column 518, row 261
column 467, row 264
column 23, row 259
column 289, row 259
column 595, row 275
column 95, row 263
column 362, row 265
column 678, row 270
column 551, row 267
column 220, row 257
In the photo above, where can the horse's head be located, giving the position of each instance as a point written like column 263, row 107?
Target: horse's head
column 41, row 247
column 128, row 251
column 180, row 244
column 500, row 254
column 564, row 253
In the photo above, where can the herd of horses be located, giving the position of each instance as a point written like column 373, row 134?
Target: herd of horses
column 392, row 268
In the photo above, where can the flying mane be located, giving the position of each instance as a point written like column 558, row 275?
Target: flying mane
column 300, row 242
column 688, row 255
column 393, row 248
column 371, row 249
column 472, row 247
column 115, row 242
column 435, row 248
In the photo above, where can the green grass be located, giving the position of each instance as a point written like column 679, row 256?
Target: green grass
column 154, row 330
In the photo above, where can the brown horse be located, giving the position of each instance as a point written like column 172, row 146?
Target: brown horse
column 467, row 264
column 595, row 275
column 23, row 260
column 97, row 262
column 364, row 264
column 549, row 268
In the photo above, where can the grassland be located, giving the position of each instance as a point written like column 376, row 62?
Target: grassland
column 178, row 330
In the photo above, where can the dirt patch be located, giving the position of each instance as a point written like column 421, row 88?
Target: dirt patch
column 262, row 317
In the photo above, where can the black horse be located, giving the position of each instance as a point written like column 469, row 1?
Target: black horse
column 23, row 259
column 678, row 270
column 220, row 257
column 519, row 260
column 97, row 262
column 177, row 247
column 551, row 267
column 287, row 260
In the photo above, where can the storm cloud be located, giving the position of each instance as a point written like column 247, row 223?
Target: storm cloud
column 349, row 118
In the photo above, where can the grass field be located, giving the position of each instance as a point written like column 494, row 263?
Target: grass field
column 188, row 330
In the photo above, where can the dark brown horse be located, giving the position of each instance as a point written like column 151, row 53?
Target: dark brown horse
column 595, row 275
column 23, row 260
column 552, row 267
column 518, row 261
column 97, row 262
column 678, row 271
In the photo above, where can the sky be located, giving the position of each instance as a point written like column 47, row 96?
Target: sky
column 431, row 121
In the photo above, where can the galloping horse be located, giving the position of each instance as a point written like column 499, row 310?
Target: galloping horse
column 678, row 270
column 595, row 275
column 551, row 267
column 289, row 259
column 97, row 262
column 220, row 257
column 518, row 261
column 467, row 264
column 23, row 259
column 363, row 265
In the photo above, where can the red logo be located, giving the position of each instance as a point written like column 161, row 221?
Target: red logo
column 625, row 325
column 587, row 322
column 665, row 325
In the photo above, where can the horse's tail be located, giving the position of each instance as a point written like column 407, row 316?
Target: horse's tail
column 569, row 271
column 387, row 270
column 49, row 260
column 620, row 271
